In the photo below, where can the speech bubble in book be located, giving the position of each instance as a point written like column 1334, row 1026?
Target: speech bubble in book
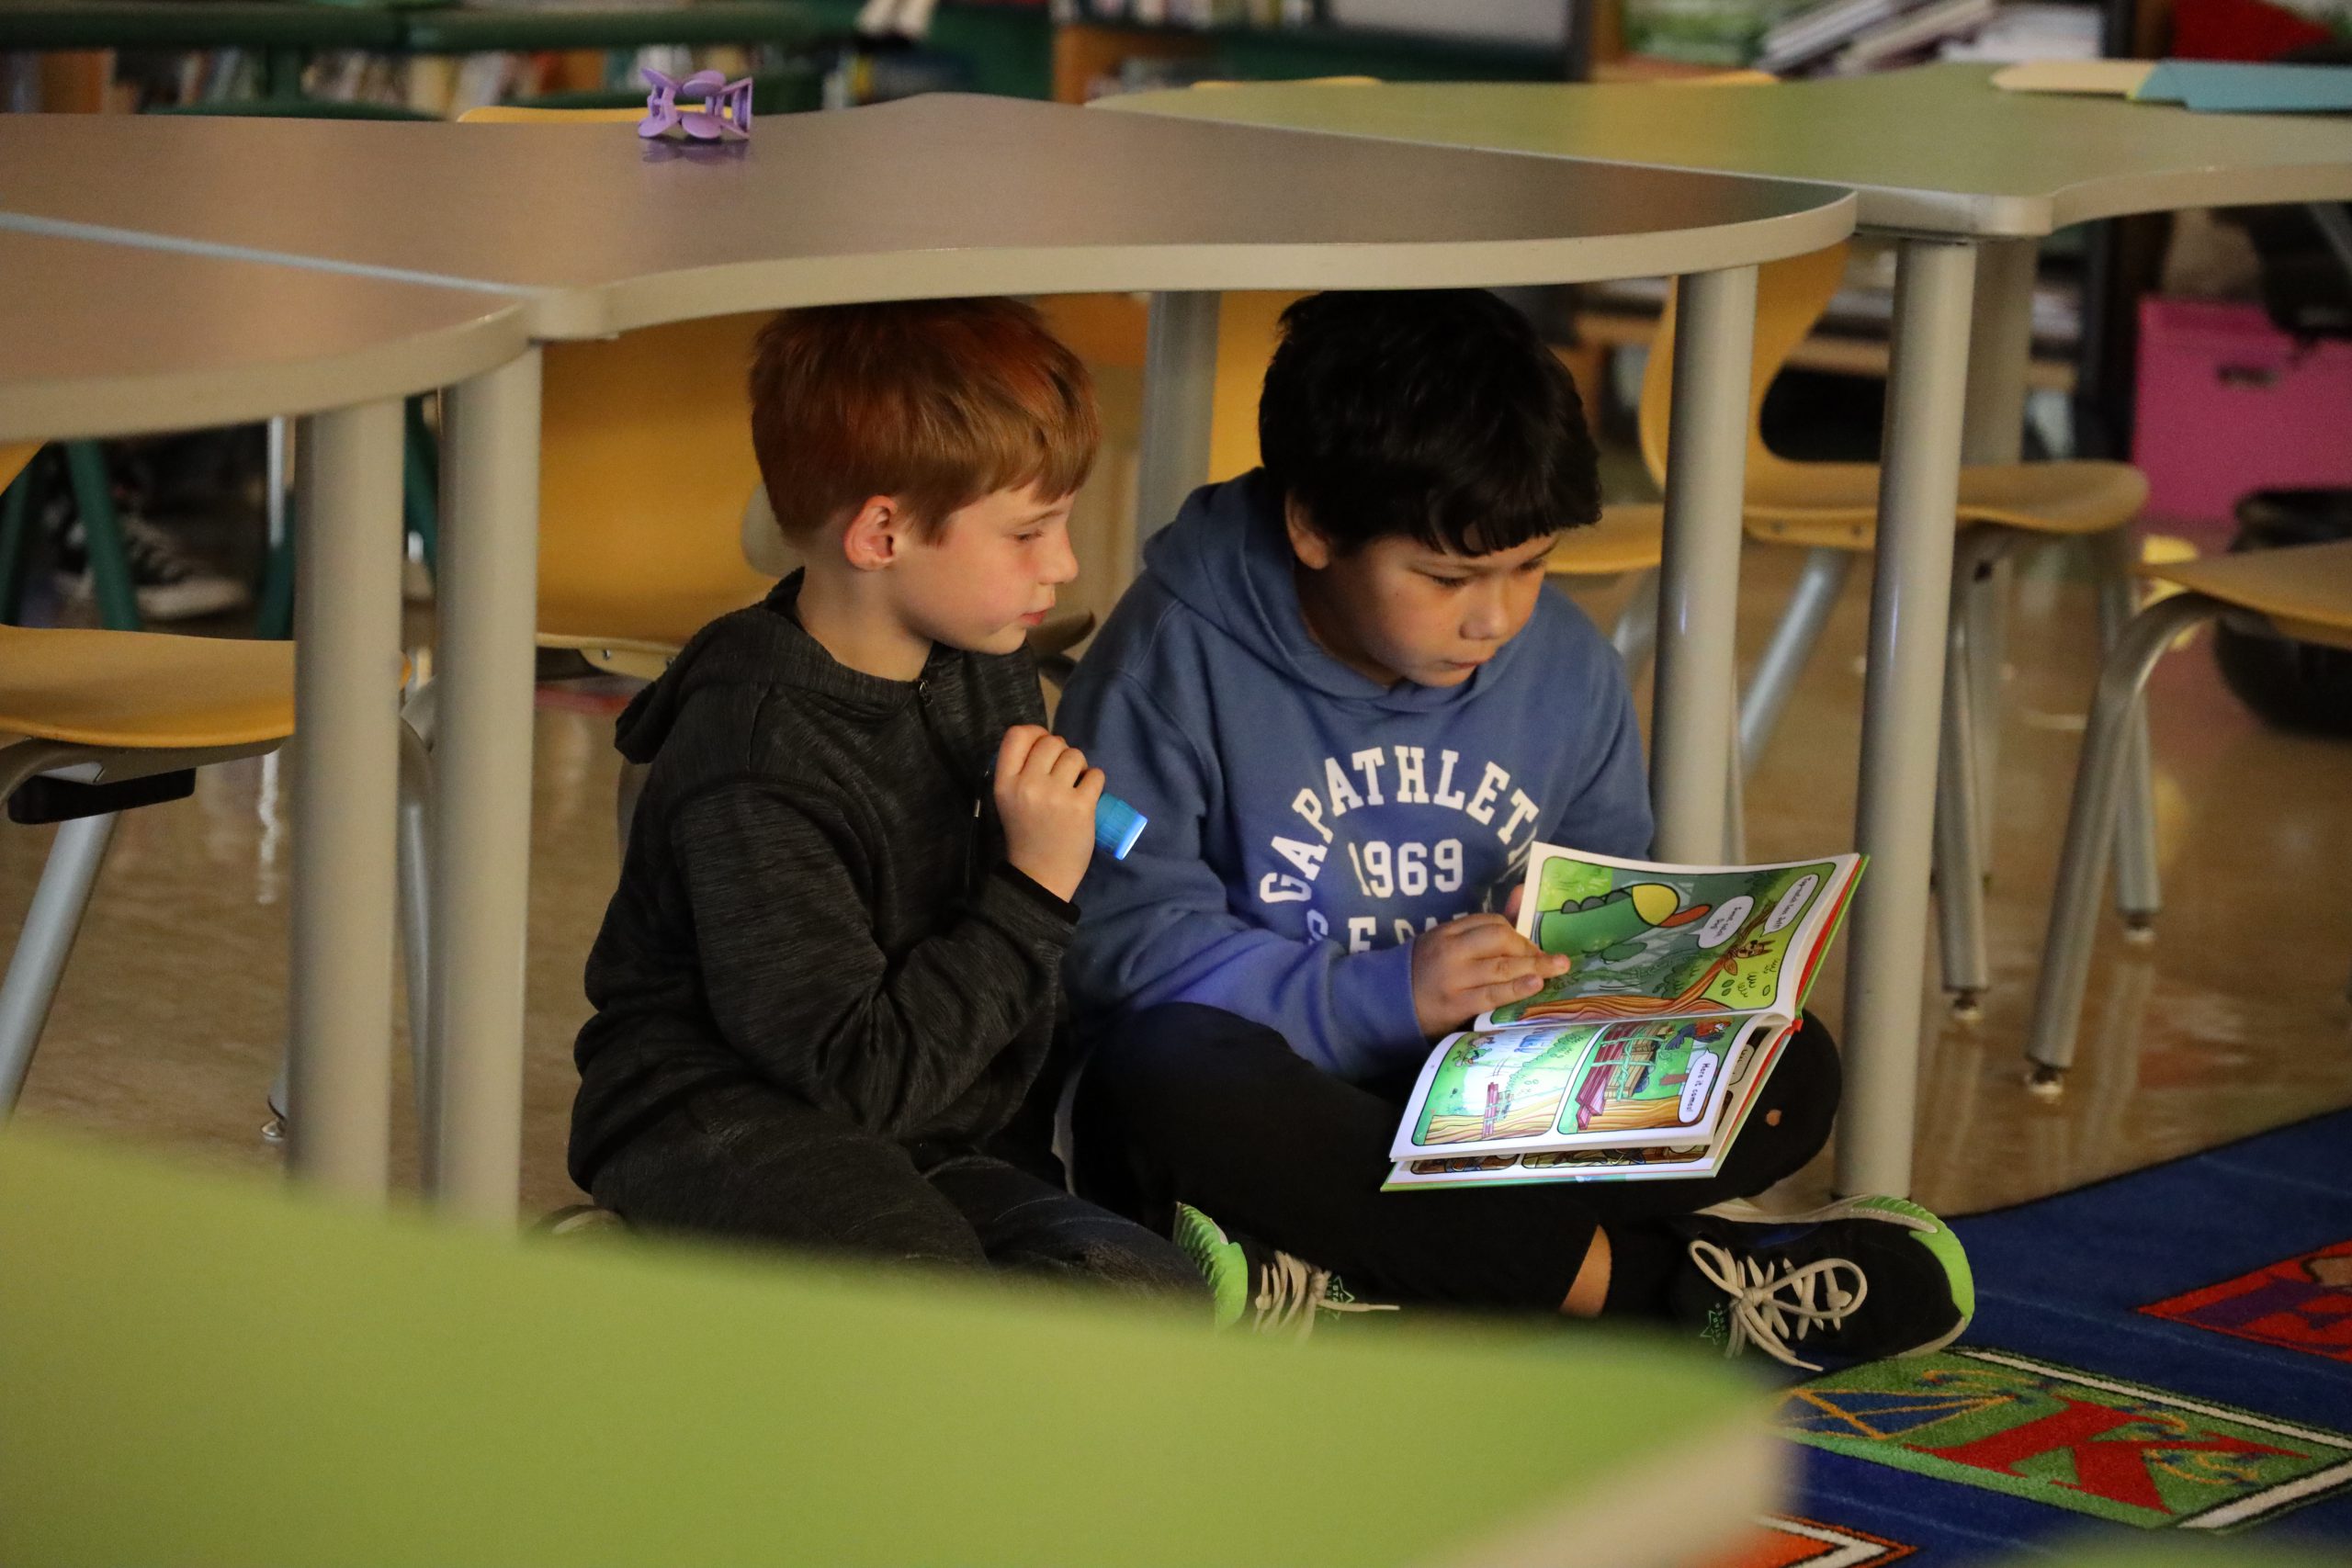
column 1792, row 903
column 1694, row 1088
column 1723, row 924
column 725, row 114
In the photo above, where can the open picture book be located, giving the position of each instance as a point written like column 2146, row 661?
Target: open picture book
column 1644, row 1060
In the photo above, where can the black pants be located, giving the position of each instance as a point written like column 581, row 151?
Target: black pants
column 743, row 1162
column 1194, row 1104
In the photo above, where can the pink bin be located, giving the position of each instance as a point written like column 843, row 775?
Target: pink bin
column 2229, row 405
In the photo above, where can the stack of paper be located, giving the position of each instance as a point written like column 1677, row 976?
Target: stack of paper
column 1913, row 33
column 2032, row 32
column 1812, row 33
column 2205, row 86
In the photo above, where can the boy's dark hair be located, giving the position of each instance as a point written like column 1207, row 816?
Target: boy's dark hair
column 1434, row 413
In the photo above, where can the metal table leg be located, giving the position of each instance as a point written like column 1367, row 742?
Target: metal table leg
column 1178, row 386
column 1699, row 579
column 481, row 826
column 1918, row 488
column 346, row 764
column 2000, row 351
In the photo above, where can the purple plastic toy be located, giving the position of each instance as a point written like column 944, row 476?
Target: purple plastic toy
column 725, row 114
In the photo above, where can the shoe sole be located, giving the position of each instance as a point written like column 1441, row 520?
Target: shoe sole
column 1219, row 1258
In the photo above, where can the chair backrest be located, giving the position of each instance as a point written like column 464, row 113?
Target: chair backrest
column 1246, row 331
column 645, row 458
column 14, row 456
column 1791, row 296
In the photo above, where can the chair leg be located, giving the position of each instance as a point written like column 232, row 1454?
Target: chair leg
column 2090, row 830
column 2139, row 893
column 274, row 617
column 420, row 488
column 415, row 853
column 1988, row 643
column 1959, row 870
column 1635, row 633
column 1792, row 643
column 50, row 925
column 1734, row 804
column 102, row 536
column 1964, row 775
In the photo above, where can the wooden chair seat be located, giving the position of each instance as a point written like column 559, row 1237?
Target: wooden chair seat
column 1835, row 505
column 143, row 689
column 1631, row 537
column 2304, row 590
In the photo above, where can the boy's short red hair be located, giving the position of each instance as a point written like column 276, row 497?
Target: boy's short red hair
column 937, row 402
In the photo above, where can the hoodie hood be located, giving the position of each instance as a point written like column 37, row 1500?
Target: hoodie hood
column 1226, row 557
column 764, row 645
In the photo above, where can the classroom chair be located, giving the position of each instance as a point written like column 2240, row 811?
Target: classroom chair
column 399, row 1392
column 1831, row 509
column 93, row 723
column 2303, row 593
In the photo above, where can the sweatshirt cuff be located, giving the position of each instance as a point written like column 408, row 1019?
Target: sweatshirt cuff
column 1372, row 997
column 1052, row 903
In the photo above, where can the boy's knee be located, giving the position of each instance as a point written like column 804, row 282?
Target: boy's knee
column 1812, row 1067
column 1173, row 1053
column 1793, row 1120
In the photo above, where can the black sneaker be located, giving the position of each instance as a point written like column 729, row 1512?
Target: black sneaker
column 1280, row 1293
column 170, row 585
column 1861, row 1279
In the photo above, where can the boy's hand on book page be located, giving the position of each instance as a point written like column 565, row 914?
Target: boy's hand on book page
column 1463, row 967
column 1512, row 904
column 1046, row 793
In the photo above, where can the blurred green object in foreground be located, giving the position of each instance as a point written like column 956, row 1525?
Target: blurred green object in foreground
column 199, row 1369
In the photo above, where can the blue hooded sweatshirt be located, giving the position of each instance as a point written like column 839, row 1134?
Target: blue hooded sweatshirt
column 1308, row 822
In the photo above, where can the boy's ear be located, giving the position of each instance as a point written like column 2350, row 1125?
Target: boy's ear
column 877, row 533
column 1307, row 541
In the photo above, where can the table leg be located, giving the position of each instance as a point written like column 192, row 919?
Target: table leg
column 1179, row 390
column 2000, row 350
column 1919, row 485
column 347, row 760
column 482, row 828
column 1694, row 712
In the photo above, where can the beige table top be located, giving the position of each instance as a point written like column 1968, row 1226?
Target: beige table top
column 937, row 195
column 118, row 340
column 1935, row 150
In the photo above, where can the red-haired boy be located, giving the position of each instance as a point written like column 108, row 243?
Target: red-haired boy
column 829, row 979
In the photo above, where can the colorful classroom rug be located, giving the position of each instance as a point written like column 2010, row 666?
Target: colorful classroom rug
column 2167, row 1350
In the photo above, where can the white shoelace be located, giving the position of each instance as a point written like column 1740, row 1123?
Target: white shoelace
column 1773, row 1304
column 1292, row 1292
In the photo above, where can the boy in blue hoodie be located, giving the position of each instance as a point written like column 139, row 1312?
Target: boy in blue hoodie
column 1349, row 706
